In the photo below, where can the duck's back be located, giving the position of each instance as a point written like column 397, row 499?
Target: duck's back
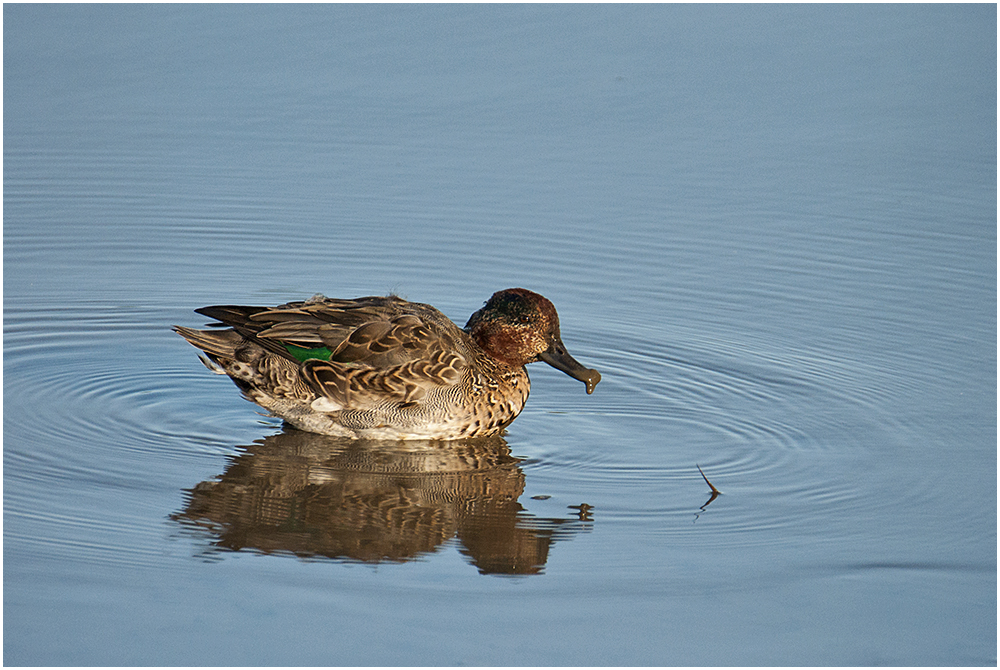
column 381, row 331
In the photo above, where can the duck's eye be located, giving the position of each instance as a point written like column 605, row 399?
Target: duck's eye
column 524, row 319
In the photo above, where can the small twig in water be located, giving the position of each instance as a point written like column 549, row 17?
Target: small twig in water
column 715, row 492
column 710, row 485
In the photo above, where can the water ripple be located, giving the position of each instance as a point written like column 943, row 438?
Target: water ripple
column 90, row 375
column 766, row 426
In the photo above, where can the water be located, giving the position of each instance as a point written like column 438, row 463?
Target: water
column 771, row 228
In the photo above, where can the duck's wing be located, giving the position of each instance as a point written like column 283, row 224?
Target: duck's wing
column 358, row 352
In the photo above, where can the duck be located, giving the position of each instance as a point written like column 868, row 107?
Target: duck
column 381, row 367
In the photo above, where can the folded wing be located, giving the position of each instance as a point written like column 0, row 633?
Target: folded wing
column 358, row 353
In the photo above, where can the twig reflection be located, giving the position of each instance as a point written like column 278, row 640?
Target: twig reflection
column 715, row 492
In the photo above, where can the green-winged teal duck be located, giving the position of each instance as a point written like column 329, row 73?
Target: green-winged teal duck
column 385, row 368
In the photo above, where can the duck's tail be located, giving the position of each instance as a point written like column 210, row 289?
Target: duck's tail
column 216, row 343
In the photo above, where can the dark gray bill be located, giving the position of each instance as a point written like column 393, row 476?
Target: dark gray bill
column 559, row 358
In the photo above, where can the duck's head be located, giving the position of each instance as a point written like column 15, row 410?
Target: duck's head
column 518, row 327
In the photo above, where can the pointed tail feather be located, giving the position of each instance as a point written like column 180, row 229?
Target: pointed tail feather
column 212, row 342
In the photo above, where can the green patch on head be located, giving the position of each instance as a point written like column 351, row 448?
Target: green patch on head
column 302, row 354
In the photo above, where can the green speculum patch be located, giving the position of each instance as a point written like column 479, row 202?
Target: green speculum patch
column 303, row 354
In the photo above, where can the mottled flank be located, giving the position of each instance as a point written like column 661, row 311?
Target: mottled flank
column 382, row 367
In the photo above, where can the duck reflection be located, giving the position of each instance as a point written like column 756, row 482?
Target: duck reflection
column 317, row 496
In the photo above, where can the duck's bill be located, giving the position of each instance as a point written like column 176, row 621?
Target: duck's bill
column 559, row 358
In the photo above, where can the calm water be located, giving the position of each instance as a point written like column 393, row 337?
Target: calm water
column 771, row 228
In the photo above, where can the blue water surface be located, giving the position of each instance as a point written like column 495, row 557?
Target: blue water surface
column 771, row 228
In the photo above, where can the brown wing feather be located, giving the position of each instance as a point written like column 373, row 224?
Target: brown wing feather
column 239, row 318
column 383, row 348
column 379, row 331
